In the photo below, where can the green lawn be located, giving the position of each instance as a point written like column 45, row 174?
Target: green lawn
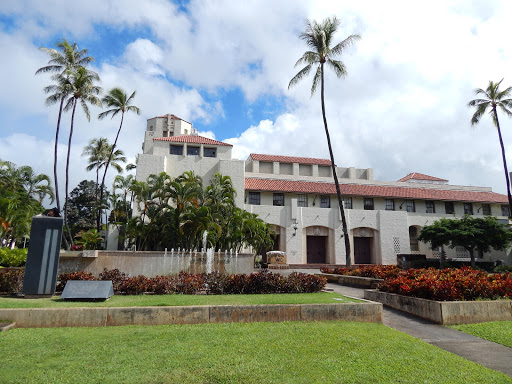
column 290, row 352
column 175, row 300
column 498, row 331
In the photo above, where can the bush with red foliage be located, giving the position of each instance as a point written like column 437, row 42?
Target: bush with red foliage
column 64, row 277
column 450, row 284
column 373, row 271
column 11, row 280
column 135, row 285
column 115, row 275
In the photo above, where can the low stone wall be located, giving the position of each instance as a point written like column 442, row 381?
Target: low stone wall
column 101, row 317
column 351, row 281
column 446, row 312
column 152, row 263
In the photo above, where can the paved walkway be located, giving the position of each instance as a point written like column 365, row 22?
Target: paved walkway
column 491, row 355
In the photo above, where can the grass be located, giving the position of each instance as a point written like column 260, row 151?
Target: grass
column 179, row 300
column 497, row 331
column 293, row 352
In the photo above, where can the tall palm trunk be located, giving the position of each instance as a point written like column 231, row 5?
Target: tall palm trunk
column 67, row 174
column 55, row 152
column 96, row 199
column 504, row 163
column 338, row 193
column 109, row 159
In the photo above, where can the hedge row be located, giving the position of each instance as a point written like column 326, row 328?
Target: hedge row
column 450, row 284
column 185, row 283
column 373, row 271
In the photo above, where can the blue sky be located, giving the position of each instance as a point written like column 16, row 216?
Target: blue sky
column 225, row 65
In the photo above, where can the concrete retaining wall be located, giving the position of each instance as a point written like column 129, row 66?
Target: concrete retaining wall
column 352, row 281
column 446, row 312
column 101, row 317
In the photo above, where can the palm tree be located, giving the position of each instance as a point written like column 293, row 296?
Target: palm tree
column 318, row 38
column 492, row 99
column 68, row 59
column 119, row 102
column 83, row 91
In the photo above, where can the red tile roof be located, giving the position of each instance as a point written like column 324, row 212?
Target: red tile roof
column 290, row 159
column 421, row 176
column 191, row 139
column 253, row 184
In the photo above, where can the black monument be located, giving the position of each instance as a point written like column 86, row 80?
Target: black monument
column 43, row 256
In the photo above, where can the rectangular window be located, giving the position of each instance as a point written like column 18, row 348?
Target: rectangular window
column 486, row 209
column 176, row 149
column 210, row 152
column 165, row 134
column 368, row 204
column 504, row 210
column 302, row 201
column 279, row 199
column 468, row 208
column 254, row 198
column 192, row 151
column 430, row 207
column 390, row 205
column 448, row 207
column 325, row 202
column 347, row 202
column 409, row 206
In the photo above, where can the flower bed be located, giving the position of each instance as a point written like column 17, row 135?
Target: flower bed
column 373, row 271
column 186, row 283
column 450, row 284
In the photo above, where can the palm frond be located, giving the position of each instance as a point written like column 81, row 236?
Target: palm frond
column 480, row 110
column 338, row 67
column 301, row 74
column 308, row 57
column 316, row 80
column 340, row 47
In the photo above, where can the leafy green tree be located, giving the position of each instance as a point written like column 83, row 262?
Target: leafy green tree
column 99, row 152
column 64, row 60
column 492, row 99
column 472, row 233
column 21, row 194
column 319, row 38
column 118, row 102
column 81, row 207
column 90, row 239
column 84, row 91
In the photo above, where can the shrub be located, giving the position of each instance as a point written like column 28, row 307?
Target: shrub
column 116, row 276
column 135, row 285
column 11, row 281
column 373, row 271
column 503, row 268
column 162, row 285
column 189, row 284
column 450, row 284
column 64, row 277
column 303, row 282
column 16, row 257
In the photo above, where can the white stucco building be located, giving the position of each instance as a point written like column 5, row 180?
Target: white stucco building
column 297, row 195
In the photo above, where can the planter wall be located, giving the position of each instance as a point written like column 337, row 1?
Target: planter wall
column 446, row 312
column 111, row 316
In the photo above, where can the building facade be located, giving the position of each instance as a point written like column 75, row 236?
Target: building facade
column 298, row 197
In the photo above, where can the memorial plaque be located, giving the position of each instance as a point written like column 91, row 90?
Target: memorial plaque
column 87, row 290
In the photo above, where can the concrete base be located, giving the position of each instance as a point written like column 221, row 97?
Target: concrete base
column 446, row 312
column 101, row 317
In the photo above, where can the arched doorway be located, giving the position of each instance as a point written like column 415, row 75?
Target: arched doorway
column 414, row 233
column 364, row 245
column 318, row 247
